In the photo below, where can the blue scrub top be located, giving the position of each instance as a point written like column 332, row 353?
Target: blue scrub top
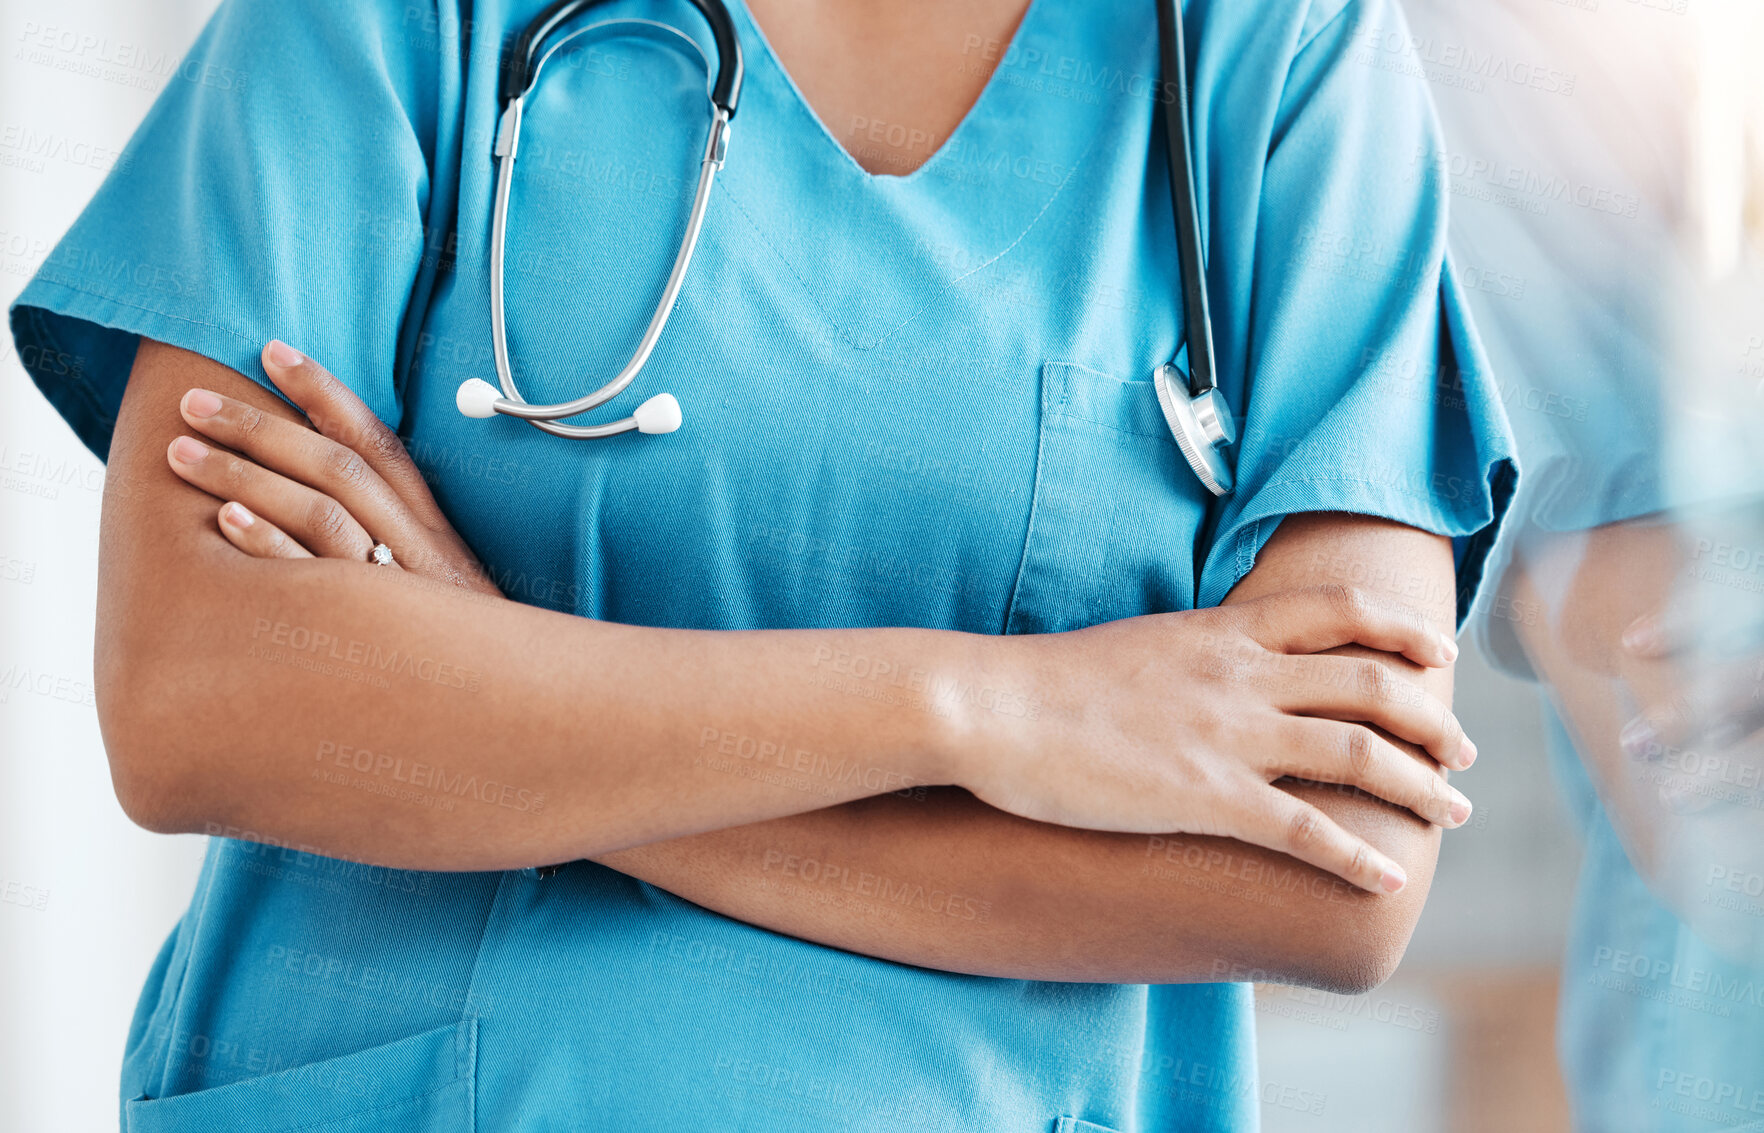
column 1660, row 1033
column 920, row 400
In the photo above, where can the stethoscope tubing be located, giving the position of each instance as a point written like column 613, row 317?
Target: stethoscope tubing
column 519, row 73
column 1198, row 417
column 512, row 403
column 1184, row 195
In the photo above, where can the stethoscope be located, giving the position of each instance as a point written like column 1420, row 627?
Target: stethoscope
column 1195, row 410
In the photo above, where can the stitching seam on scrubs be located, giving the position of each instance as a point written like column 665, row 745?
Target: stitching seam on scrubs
column 151, row 310
column 1104, row 424
column 1065, row 399
column 465, row 1065
column 1034, row 509
column 1008, row 248
column 478, row 957
column 1431, row 503
column 950, row 286
column 735, row 200
column 1277, row 134
column 400, row 1103
column 1321, row 28
column 1247, row 541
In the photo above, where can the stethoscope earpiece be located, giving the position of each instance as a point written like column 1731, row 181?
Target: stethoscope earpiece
column 660, row 414
column 478, row 399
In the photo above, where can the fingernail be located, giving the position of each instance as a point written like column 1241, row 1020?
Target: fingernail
column 236, row 515
column 1460, row 809
column 1392, row 879
column 1643, row 635
column 284, row 355
column 1466, row 753
column 188, row 451
column 1449, row 647
column 1639, row 739
column 201, row 403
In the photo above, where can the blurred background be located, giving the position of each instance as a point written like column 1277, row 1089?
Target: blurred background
column 1584, row 962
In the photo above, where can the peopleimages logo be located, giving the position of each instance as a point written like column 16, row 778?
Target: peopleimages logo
column 941, row 690
column 1084, row 76
column 303, row 640
column 430, row 777
column 1687, row 978
column 1535, row 188
column 1473, row 68
column 877, row 886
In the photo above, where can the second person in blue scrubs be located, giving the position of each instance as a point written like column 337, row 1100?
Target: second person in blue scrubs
column 917, row 401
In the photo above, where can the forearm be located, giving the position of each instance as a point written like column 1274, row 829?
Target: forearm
column 373, row 716
column 947, row 882
column 1665, row 722
column 596, row 736
column 950, row 883
column 1570, row 596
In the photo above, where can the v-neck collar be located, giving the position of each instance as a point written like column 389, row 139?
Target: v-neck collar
column 874, row 251
column 767, row 56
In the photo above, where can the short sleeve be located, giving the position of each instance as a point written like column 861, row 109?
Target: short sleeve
column 278, row 188
column 1365, row 388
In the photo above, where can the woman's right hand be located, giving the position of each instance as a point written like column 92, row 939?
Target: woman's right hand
column 1181, row 723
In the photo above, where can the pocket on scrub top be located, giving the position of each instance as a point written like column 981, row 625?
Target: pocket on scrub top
column 1074, row 1125
column 1116, row 511
column 425, row 1082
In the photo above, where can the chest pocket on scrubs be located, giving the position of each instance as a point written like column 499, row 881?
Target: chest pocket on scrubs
column 426, row 1082
column 1116, row 512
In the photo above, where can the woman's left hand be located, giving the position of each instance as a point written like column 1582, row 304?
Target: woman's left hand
column 332, row 490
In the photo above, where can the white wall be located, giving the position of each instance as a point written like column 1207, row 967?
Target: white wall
column 70, row 971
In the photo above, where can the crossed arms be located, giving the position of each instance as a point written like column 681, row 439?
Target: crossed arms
column 202, row 730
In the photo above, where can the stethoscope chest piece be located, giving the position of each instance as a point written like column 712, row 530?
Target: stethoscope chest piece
column 1202, row 425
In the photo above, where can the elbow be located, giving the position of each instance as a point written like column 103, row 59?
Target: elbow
column 1358, row 946
column 152, row 804
column 147, row 742
column 1347, row 940
column 1359, row 963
